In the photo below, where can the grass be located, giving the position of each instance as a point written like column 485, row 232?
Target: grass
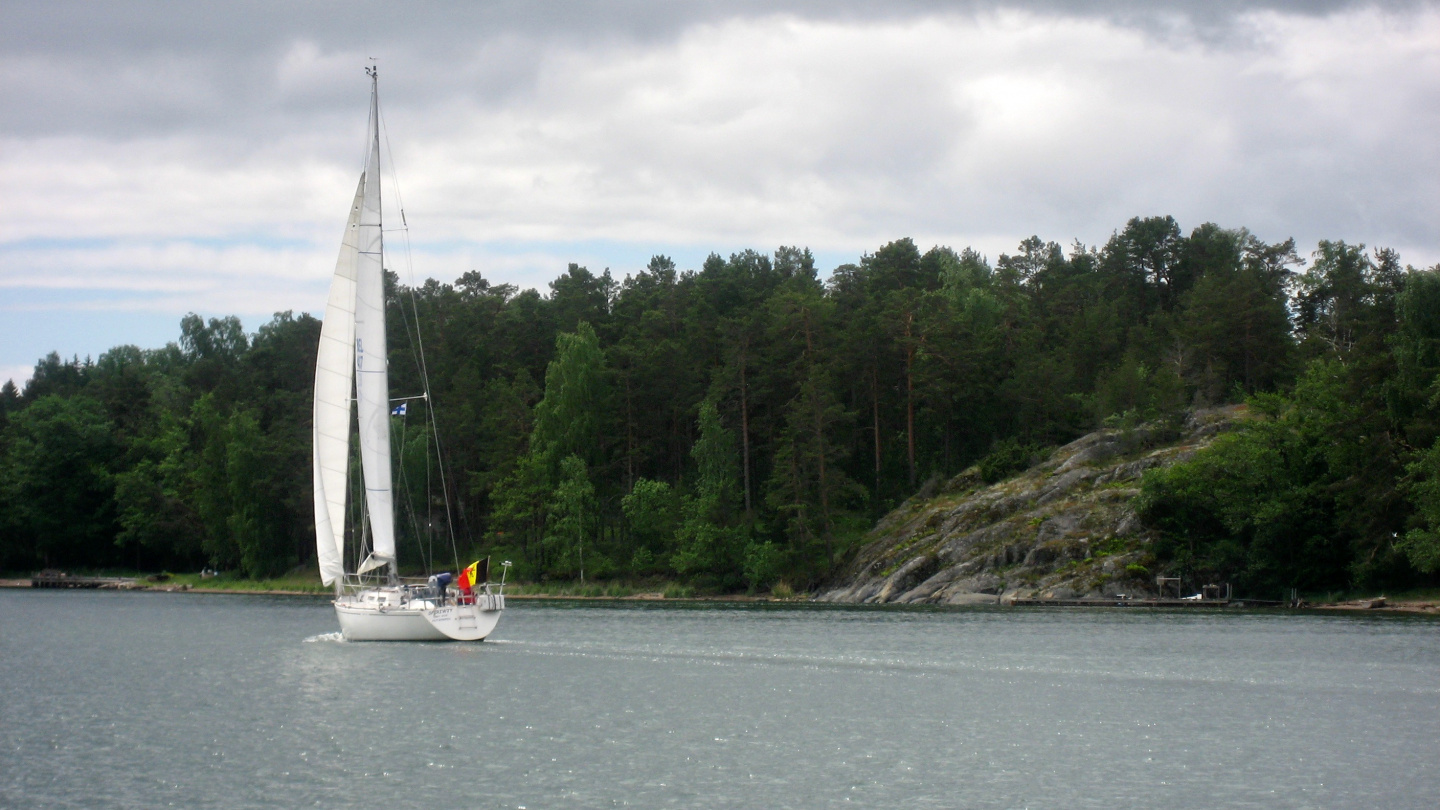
column 228, row 581
column 677, row 591
column 1109, row 546
column 614, row 589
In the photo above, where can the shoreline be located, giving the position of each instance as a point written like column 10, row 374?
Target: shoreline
column 1374, row 605
column 162, row 587
column 1423, row 607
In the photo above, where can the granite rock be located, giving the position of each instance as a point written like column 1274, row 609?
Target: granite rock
column 1066, row 527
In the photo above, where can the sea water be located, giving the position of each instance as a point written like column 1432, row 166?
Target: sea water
column 112, row 699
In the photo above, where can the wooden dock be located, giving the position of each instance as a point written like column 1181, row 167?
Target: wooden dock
column 50, row 578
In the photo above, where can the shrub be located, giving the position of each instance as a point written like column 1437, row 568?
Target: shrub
column 762, row 564
column 1009, row 457
column 677, row 591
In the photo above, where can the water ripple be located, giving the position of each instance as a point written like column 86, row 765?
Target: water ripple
column 212, row 701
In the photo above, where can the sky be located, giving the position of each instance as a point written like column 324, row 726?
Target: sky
column 160, row 158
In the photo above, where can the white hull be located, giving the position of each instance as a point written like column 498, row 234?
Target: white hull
column 449, row 623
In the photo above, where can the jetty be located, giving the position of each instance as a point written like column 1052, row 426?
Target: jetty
column 1141, row 602
column 52, row 578
column 1210, row 596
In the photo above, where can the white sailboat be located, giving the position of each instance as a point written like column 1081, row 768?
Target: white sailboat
column 372, row 602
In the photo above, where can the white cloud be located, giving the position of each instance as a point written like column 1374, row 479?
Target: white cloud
column 167, row 277
column 750, row 130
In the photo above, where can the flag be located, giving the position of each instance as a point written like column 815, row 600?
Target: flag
column 399, row 410
column 467, row 577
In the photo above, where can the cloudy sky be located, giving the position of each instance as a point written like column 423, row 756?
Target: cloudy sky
column 162, row 158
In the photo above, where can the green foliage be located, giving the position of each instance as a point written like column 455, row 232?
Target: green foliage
column 652, row 510
column 1277, row 504
column 1010, row 456
column 1133, row 392
column 56, row 481
column 642, row 561
column 571, row 511
column 710, row 540
column 764, row 563
column 154, row 498
column 565, row 440
column 676, row 590
column 1412, row 394
column 211, row 483
column 150, row 513
column 1108, row 546
column 519, row 503
column 570, row 419
column 265, row 549
column 1422, row 543
column 237, row 498
column 741, row 423
column 1234, row 330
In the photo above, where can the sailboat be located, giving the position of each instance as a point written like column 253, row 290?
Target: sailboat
column 372, row 602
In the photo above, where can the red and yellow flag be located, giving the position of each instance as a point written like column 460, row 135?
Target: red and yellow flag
column 467, row 577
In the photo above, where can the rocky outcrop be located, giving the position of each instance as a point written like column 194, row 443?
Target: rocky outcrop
column 1065, row 528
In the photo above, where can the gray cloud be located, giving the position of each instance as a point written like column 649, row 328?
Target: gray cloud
column 168, row 155
column 134, row 68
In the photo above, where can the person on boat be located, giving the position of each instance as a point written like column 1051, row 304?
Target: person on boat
column 439, row 584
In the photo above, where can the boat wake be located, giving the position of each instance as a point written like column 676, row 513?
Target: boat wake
column 326, row 637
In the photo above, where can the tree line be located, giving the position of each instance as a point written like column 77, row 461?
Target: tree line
column 744, row 423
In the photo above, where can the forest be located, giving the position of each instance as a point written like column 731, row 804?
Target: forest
column 743, row 424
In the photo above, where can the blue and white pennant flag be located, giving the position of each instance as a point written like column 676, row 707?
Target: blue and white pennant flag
column 399, row 410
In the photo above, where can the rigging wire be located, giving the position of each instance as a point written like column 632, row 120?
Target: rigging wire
column 427, row 551
column 362, row 545
column 425, row 542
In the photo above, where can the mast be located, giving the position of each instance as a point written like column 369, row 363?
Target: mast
column 372, row 387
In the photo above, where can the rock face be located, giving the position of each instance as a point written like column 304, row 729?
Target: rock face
column 1065, row 528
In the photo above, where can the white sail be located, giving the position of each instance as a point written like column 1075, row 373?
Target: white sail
column 352, row 356
column 372, row 387
column 334, row 371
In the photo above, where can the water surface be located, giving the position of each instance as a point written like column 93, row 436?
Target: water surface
column 146, row 699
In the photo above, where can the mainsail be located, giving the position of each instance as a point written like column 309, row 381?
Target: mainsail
column 372, row 385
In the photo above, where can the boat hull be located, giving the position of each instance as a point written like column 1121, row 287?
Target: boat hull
column 463, row 622
column 451, row 623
